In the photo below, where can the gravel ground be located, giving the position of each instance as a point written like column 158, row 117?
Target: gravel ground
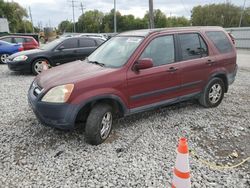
column 140, row 151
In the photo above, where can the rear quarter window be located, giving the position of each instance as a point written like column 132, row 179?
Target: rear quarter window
column 220, row 40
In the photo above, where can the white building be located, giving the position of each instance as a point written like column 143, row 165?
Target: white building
column 4, row 25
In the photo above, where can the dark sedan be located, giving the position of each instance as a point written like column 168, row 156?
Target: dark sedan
column 52, row 54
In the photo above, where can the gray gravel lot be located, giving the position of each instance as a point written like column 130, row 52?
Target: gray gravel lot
column 139, row 153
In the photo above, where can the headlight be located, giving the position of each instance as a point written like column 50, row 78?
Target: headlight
column 58, row 94
column 21, row 58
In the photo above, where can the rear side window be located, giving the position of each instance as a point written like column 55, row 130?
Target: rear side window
column 70, row 43
column 161, row 50
column 220, row 41
column 19, row 40
column 192, row 46
column 28, row 40
column 87, row 43
column 7, row 39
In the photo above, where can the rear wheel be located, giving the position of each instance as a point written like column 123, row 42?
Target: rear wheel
column 40, row 65
column 213, row 93
column 3, row 58
column 99, row 124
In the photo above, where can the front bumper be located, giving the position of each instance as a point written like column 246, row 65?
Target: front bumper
column 21, row 66
column 60, row 116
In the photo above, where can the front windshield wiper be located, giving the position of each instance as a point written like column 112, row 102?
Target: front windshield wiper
column 96, row 62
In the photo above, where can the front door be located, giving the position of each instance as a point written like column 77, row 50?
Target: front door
column 160, row 83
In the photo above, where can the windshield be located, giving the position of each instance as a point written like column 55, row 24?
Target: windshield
column 51, row 45
column 116, row 51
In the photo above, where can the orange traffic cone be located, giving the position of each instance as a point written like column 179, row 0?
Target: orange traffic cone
column 181, row 177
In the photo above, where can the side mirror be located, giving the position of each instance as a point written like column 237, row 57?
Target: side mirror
column 144, row 63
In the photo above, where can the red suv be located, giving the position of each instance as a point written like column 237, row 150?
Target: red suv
column 133, row 72
column 27, row 42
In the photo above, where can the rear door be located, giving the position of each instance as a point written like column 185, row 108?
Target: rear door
column 195, row 63
column 86, row 47
column 160, row 83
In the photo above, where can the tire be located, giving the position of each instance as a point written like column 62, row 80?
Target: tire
column 39, row 65
column 99, row 124
column 213, row 93
column 3, row 58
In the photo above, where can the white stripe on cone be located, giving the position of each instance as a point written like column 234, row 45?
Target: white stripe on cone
column 181, row 183
column 182, row 162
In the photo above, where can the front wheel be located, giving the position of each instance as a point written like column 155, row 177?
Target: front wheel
column 40, row 65
column 3, row 58
column 213, row 93
column 99, row 124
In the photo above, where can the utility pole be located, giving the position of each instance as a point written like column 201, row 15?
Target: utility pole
column 151, row 14
column 115, row 27
column 73, row 11
column 31, row 20
column 242, row 12
column 82, row 7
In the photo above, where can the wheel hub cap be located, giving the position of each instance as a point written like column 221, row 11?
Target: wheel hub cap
column 41, row 66
column 4, row 58
column 106, row 125
column 215, row 93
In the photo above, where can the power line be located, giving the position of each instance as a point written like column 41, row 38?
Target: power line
column 185, row 8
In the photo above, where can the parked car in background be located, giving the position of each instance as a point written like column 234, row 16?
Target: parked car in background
column 6, row 49
column 55, row 53
column 133, row 72
column 27, row 42
column 94, row 35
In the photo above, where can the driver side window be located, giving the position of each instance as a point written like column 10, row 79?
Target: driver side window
column 161, row 50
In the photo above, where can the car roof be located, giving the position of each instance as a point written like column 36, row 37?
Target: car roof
column 16, row 36
column 146, row 32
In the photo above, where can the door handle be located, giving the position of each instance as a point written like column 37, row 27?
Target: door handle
column 172, row 69
column 210, row 62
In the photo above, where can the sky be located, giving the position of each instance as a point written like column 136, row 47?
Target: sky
column 52, row 12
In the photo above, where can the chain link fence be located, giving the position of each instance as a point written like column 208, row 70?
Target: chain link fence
column 241, row 35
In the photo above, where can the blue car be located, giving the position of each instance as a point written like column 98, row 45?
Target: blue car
column 7, row 49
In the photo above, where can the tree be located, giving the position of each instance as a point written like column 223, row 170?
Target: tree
column 65, row 26
column 177, row 22
column 90, row 21
column 14, row 13
column 225, row 15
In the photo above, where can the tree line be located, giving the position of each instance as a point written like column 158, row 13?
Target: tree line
column 223, row 14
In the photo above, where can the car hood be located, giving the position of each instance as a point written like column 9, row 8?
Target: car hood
column 27, row 52
column 70, row 73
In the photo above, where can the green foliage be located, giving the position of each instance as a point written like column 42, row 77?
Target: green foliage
column 96, row 21
column 90, row 21
column 177, row 22
column 65, row 26
column 225, row 15
column 15, row 15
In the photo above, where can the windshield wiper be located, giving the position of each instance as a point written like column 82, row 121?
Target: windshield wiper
column 95, row 62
